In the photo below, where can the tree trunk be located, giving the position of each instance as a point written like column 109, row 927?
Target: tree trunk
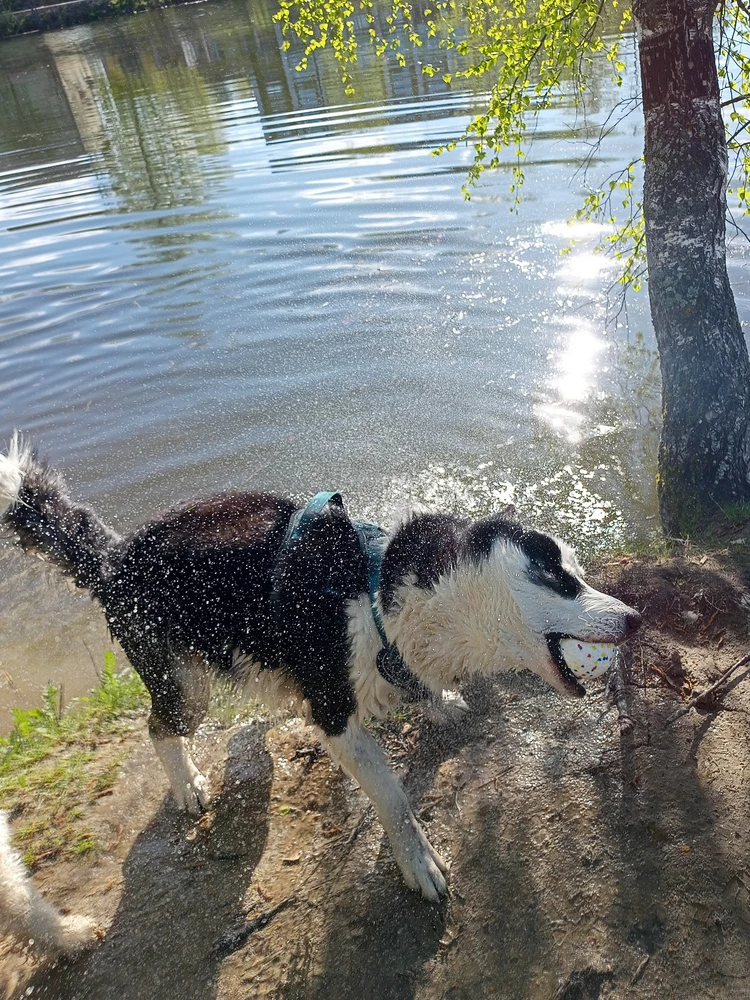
column 704, row 458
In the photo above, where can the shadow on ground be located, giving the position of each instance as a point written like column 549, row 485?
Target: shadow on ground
column 178, row 896
column 588, row 863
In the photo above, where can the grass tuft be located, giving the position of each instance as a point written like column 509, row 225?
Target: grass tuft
column 51, row 767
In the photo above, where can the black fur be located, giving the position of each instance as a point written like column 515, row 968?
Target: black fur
column 482, row 535
column 543, row 552
column 73, row 536
column 197, row 584
column 545, row 564
column 427, row 546
column 430, row 545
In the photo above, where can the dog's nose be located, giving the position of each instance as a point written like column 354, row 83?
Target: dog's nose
column 632, row 622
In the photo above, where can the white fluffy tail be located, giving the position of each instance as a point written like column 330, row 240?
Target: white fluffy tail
column 12, row 469
column 25, row 913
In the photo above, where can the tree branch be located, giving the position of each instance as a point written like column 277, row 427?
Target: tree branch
column 735, row 100
column 709, row 690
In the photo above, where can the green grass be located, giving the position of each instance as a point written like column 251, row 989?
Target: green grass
column 52, row 767
column 641, row 546
column 38, row 732
column 737, row 515
column 56, row 764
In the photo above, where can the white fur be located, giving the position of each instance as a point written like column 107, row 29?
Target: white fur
column 189, row 787
column 361, row 757
column 28, row 917
column 569, row 559
column 375, row 696
column 13, row 466
column 490, row 616
column 275, row 689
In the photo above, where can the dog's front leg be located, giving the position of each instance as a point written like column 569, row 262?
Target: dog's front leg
column 361, row 757
column 189, row 787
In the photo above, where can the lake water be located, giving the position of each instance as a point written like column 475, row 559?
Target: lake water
column 216, row 271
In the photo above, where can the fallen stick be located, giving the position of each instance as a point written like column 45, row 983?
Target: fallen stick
column 235, row 938
column 684, row 709
column 638, row 974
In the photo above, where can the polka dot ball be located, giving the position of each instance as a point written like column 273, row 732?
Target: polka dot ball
column 587, row 659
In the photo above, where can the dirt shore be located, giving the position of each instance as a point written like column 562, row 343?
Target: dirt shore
column 587, row 862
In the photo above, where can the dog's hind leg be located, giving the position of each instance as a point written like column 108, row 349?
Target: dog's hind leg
column 189, row 786
column 361, row 757
column 180, row 690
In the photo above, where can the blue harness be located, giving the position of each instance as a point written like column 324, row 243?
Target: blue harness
column 372, row 543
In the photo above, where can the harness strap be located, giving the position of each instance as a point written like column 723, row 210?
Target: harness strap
column 372, row 542
column 301, row 518
column 390, row 663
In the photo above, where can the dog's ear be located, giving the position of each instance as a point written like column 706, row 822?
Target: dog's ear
column 481, row 536
column 427, row 546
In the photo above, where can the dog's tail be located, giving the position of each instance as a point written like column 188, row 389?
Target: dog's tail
column 34, row 502
column 26, row 915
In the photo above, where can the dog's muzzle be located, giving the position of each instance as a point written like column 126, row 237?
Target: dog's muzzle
column 631, row 623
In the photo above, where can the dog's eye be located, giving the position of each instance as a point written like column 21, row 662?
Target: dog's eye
column 544, row 572
column 547, row 577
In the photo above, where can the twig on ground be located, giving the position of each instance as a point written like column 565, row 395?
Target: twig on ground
column 684, row 709
column 616, row 690
column 236, row 937
column 640, row 970
column 493, row 781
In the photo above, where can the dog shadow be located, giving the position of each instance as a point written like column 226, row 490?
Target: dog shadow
column 179, row 895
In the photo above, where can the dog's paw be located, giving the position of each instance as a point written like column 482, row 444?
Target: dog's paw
column 421, row 865
column 192, row 796
column 74, row 934
column 446, row 710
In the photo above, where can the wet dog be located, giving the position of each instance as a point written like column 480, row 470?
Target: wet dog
column 213, row 586
column 28, row 917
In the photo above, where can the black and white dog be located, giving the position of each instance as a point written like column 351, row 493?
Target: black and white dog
column 199, row 589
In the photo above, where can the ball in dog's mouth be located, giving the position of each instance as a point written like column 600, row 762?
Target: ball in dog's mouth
column 587, row 659
column 576, row 660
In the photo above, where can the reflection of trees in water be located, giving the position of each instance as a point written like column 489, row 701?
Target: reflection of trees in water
column 35, row 111
column 160, row 83
column 159, row 120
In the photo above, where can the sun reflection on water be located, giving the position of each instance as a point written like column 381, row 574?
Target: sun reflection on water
column 578, row 364
column 565, row 503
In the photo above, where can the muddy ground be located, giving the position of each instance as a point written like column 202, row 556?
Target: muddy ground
column 587, row 862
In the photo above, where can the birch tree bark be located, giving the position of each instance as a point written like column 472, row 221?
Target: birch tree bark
column 704, row 458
